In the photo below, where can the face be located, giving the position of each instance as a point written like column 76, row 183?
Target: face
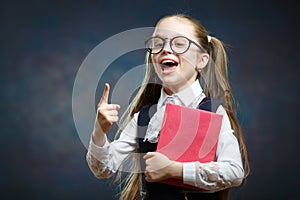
column 177, row 71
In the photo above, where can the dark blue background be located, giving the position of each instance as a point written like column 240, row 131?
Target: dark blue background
column 43, row 44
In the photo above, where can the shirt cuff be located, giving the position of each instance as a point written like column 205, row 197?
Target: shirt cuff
column 189, row 173
column 99, row 153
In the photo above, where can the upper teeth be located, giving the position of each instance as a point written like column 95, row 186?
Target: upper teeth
column 167, row 61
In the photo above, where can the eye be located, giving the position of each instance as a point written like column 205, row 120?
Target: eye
column 155, row 43
column 180, row 42
column 158, row 44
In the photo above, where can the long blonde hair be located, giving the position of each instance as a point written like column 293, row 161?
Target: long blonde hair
column 213, row 79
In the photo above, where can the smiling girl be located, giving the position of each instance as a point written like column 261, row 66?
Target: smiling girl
column 187, row 67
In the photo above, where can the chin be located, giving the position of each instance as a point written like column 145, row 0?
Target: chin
column 171, row 83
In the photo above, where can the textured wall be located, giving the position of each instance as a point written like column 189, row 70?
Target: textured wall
column 43, row 44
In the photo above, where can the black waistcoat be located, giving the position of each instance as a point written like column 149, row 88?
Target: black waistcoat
column 159, row 191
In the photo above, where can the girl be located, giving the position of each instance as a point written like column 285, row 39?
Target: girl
column 189, row 67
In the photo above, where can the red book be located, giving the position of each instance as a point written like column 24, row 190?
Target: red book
column 189, row 135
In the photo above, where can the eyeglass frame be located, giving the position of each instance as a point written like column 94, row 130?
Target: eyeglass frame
column 170, row 43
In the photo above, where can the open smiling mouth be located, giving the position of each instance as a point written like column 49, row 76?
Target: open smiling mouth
column 168, row 64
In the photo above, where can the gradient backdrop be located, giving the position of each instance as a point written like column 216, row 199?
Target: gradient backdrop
column 43, row 44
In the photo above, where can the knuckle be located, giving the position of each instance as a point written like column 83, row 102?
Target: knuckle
column 101, row 112
column 115, row 118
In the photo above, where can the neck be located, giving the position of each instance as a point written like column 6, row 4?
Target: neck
column 169, row 90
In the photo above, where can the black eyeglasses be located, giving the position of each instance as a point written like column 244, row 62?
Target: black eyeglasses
column 179, row 44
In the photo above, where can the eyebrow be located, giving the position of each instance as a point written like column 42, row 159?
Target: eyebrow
column 164, row 36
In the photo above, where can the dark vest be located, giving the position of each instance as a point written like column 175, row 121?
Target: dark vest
column 159, row 191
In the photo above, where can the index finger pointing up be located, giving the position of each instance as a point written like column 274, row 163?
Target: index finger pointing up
column 104, row 98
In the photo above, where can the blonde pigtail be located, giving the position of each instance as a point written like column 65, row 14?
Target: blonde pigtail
column 220, row 88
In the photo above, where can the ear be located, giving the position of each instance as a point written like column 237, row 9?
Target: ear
column 202, row 61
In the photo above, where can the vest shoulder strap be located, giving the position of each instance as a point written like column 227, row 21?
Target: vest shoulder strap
column 209, row 104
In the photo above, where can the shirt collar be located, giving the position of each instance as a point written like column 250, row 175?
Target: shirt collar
column 186, row 96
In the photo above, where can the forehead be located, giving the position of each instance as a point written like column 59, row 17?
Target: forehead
column 174, row 26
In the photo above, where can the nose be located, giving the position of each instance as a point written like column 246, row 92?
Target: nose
column 167, row 47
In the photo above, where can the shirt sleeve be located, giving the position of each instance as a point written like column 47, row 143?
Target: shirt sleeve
column 226, row 171
column 105, row 161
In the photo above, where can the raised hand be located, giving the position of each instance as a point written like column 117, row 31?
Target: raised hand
column 107, row 114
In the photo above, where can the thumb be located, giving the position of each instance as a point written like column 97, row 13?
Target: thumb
column 104, row 98
column 149, row 155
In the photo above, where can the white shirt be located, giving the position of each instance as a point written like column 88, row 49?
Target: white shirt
column 226, row 171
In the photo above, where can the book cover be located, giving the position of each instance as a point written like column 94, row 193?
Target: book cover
column 189, row 135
